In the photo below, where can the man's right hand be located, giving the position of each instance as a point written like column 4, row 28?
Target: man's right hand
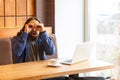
column 27, row 28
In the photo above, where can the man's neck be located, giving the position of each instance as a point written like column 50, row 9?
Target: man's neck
column 31, row 38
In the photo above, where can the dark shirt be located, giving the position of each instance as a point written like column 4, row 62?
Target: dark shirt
column 33, row 52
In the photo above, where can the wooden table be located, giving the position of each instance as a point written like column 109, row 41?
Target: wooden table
column 40, row 70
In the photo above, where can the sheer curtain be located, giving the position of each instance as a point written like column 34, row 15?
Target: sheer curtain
column 104, row 20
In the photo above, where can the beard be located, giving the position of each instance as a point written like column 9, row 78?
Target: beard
column 33, row 35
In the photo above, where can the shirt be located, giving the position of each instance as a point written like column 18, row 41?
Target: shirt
column 21, row 48
column 33, row 52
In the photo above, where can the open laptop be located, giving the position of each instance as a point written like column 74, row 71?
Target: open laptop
column 82, row 52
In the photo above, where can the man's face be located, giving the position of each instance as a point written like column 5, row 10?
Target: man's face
column 35, row 25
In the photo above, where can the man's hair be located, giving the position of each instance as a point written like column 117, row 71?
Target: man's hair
column 27, row 21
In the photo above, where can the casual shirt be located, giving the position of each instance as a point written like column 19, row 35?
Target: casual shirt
column 21, row 48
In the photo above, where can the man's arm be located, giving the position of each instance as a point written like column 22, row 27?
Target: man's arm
column 47, row 43
column 18, row 43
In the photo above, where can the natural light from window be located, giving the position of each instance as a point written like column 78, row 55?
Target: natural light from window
column 104, row 20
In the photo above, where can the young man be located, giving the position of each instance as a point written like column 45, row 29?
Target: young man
column 32, row 43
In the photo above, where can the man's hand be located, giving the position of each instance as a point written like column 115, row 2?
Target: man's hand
column 28, row 28
column 41, row 27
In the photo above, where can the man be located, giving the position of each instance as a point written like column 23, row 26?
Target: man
column 32, row 43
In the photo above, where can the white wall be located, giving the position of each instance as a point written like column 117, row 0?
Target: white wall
column 69, row 24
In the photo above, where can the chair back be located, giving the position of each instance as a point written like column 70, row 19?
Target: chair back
column 5, row 51
column 53, row 37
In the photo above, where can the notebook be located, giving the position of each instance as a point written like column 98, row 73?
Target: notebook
column 81, row 53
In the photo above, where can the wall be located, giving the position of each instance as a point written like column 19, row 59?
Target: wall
column 69, row 24
column 13, row 13
column 45, row 12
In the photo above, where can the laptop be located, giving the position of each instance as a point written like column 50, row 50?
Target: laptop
column 82, row 52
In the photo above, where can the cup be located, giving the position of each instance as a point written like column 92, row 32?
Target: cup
column 54, row 62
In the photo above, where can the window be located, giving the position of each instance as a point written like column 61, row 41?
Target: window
column 104, row 20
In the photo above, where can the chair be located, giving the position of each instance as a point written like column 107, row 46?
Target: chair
column 5, row 44
column 5, row 51
column 53, row 37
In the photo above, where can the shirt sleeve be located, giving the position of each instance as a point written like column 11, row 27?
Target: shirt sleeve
column 19, row 43
column 47, row 43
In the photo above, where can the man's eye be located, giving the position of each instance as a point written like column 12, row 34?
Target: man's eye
column 39, row 26
column 30, row 26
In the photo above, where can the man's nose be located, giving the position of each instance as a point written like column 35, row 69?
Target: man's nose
column 34, row 28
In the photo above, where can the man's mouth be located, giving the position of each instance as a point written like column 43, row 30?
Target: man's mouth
column 34, row 33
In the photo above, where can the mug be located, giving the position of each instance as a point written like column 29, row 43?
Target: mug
column 54, row 62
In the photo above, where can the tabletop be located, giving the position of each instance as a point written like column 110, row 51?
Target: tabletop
column 40, row 69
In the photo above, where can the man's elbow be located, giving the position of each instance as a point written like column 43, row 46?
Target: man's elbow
column 51, row 52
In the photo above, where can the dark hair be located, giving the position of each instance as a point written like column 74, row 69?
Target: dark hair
column 28, row 20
